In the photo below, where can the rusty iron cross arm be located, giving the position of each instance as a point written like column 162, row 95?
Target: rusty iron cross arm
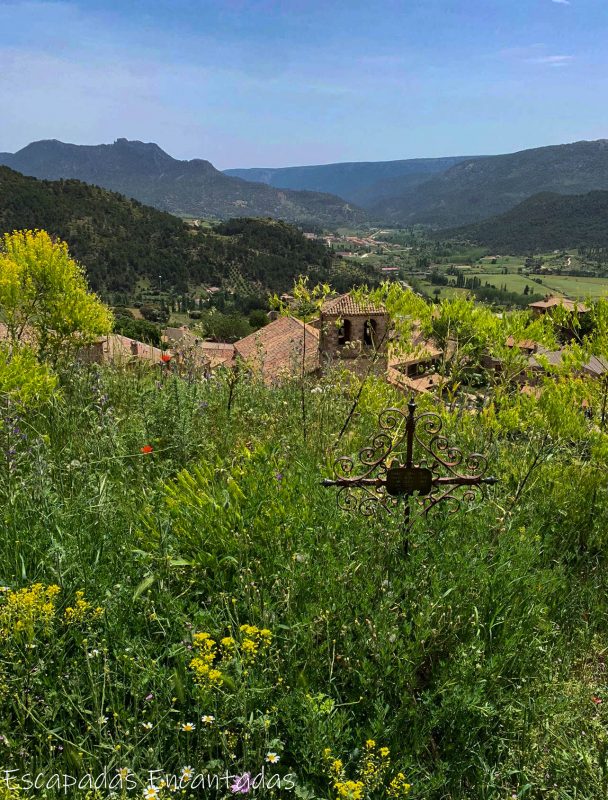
column 385, row 470
column 456, row 480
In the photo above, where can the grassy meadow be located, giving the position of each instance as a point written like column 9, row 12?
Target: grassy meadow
column 182, row 597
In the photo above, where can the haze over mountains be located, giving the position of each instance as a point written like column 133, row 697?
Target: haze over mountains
column 438, row 192
column 187, row 188
column 444, row 192
column 364, row 183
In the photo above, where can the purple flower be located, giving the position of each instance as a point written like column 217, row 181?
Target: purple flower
column 279, row 476
column 149, row 696
column 241, row 784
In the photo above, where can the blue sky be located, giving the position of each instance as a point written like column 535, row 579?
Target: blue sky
column 280, row 82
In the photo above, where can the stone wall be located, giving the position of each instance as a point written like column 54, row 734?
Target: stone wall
column 331, row 347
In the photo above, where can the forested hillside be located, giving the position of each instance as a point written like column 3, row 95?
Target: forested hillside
column 477, row 189
column 544, row 222
column 121, row 241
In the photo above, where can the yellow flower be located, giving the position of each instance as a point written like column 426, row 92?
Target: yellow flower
column 398, row 787
column 385, row 752
column 350, row 790
column 370, row 744
column 27, row 608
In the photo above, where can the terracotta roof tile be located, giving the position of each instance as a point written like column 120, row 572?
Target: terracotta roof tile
column 344, row 305
column 553, row 302
column 276, row 349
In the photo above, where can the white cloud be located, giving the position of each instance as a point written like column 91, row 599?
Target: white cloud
column 561, row 2
column 552, row 61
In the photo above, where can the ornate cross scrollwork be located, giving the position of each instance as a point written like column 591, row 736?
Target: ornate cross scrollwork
column 385, row 470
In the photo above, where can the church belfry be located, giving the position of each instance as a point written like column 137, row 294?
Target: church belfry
column 353, row 331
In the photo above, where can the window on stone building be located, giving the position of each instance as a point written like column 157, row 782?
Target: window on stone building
column 344, row 332
column 369, row 332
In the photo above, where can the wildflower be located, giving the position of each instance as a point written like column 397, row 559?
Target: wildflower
column 149, row 696
column 150, row 793
column 147, row 448
column 102, row 720
column 187, row 773
column 93, row 653
column 208, row 719
column 80, row 609
column 597, row 700
column 398, row 787
column 241, row 784
column 188, row 727
column 25, row 608
column 272, row 758
column 165, row 358
column 336, row 766
column 249, row 649
column 147, row 726
column 349, row 790
column 385, row 752
column 123, row 773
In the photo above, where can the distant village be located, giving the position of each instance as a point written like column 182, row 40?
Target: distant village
column 357, row 337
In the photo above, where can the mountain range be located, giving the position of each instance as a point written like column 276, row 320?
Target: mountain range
column 546, row 221
column 446, row 192
column 362, row 182
column 475, row 190
column 185, row 188
column 440, row 193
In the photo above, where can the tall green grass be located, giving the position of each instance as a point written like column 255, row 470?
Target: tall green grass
column 479, row 659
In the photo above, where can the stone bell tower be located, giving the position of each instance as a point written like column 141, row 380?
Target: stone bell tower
column 354, row 333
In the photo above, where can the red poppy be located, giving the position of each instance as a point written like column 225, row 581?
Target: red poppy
column 597, row 700
column 147, row 448
column 165, row 358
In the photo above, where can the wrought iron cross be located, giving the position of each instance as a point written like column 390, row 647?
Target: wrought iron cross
column 371, row 481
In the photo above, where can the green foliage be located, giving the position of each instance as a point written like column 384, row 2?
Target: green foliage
column 153, row 313
column 44, row 295
column 24, row 381
column 221, row 327
column 139, row 329
column 258, row 318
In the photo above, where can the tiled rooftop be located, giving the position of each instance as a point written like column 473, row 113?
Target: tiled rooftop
column 276, row 349
column 345, row 306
